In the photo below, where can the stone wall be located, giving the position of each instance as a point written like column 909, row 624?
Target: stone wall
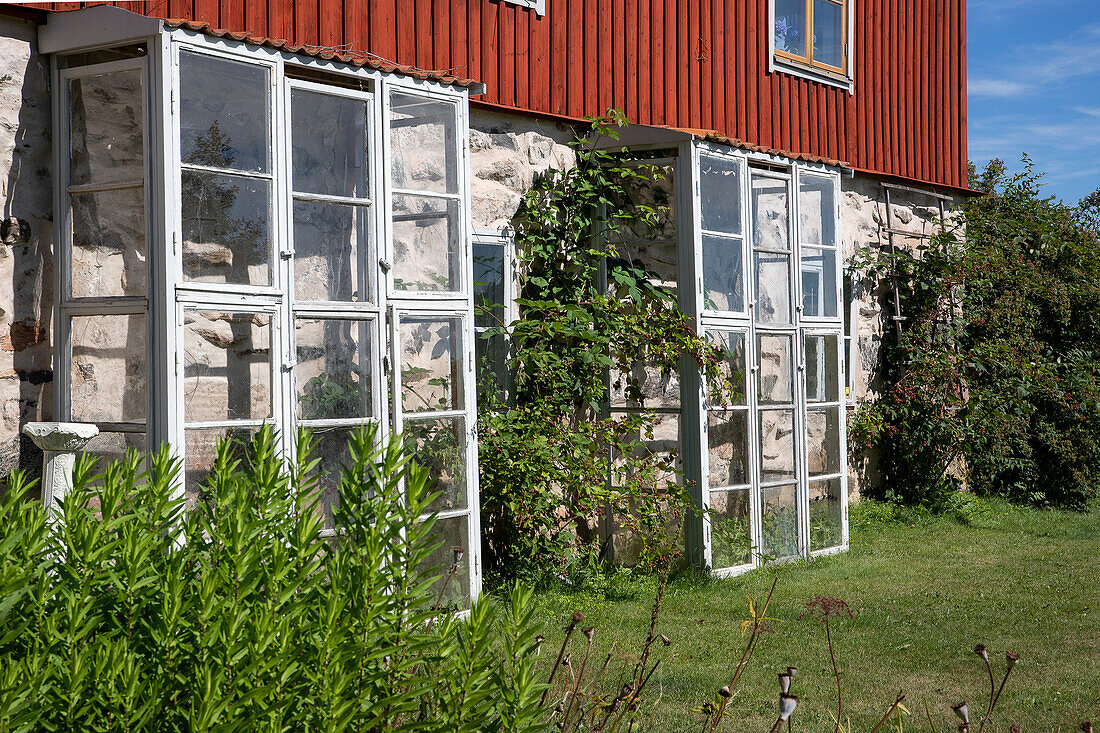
column 507, row 153
column 26, row 242
column 863, row 223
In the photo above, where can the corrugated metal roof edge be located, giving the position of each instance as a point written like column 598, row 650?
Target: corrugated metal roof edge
column 717, row 137
column 344, row 56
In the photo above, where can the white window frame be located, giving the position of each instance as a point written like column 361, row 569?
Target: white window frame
column 845, row 80
column 169, row 297
column 539, row 6
column 695, row 443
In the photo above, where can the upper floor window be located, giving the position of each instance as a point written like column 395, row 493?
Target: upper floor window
column 812, row 35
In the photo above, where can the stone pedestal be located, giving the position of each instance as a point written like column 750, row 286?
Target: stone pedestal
column 60, row 442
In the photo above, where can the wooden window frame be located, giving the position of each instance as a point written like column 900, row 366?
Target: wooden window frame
column 806, row 65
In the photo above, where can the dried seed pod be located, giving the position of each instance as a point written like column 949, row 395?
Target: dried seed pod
column 962, row 711
column 665, row 640
column 981, row 652
column 787, row 704
column 589, row 631
column 1011, row 658
column 792, row 671
column 567, row 660
column 458, row 554
column 724, row 691
column 784, row 682
column 1086, row 727
column 578, row 617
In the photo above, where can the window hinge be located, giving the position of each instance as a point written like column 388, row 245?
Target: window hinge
column 175, row 243
column 286, row 254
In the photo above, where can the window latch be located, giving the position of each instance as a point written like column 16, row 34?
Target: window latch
column 286, row 254
column 288, row 366
column 385, row 265
column 386, row 364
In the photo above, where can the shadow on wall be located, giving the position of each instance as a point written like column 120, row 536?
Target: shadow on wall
column 26, row 245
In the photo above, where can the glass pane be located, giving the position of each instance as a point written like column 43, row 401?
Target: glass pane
column 647, row 385
column 826, row 509
column 659, row 260
column 112, row 447
column 431, row 364
column 728, row 444
column 330, row 251
column 226, row 229
column 101, row 56
column 777, row 460
column 720, row 194
column 723, row 274
column 109, row 366
column 828, row 32
column 730, row 541
column 450, row 533
column 652, row 195
column 224, row 113
column 440, row 446
column 227, row 366
column 423, row 144
column 823, row 440
column 776, row 360
column 780, row 526
column 773, row 287
column 790, row 26
column 491, row 353
column 819, row 282
column 330, row 447
column 816, row 210
column 108, row 236
column 333, row 370
column 655, row 463
column 821, row 368
column 425, row 243
column 200, row 450
column 329, row 144
column 106, row 120
column 488, row 285
column 770, row 226
column 731, row 367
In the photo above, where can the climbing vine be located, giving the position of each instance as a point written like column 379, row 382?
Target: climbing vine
column 554, row 463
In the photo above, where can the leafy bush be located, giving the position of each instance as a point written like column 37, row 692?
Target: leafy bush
column 996, row 379
column 239, row 613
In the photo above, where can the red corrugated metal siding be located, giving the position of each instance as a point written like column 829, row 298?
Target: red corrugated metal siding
column 684, row 63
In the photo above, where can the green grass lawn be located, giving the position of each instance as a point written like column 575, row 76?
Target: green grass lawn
column 924, row 592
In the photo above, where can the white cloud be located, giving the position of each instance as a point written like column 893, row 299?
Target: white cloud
column 995, row 87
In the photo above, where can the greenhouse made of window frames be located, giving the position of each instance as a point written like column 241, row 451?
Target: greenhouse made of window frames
column 749, row 241
column 251, row 234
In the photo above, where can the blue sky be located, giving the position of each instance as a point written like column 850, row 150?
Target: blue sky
column 1034, row 87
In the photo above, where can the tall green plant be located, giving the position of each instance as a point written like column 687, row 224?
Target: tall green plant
column 138, row 613
column 552, row 460
column 999, row 367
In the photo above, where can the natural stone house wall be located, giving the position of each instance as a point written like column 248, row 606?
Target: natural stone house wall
column 26, row 242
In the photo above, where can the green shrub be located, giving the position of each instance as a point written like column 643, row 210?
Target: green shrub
column 996, row 380
column 136, row 612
